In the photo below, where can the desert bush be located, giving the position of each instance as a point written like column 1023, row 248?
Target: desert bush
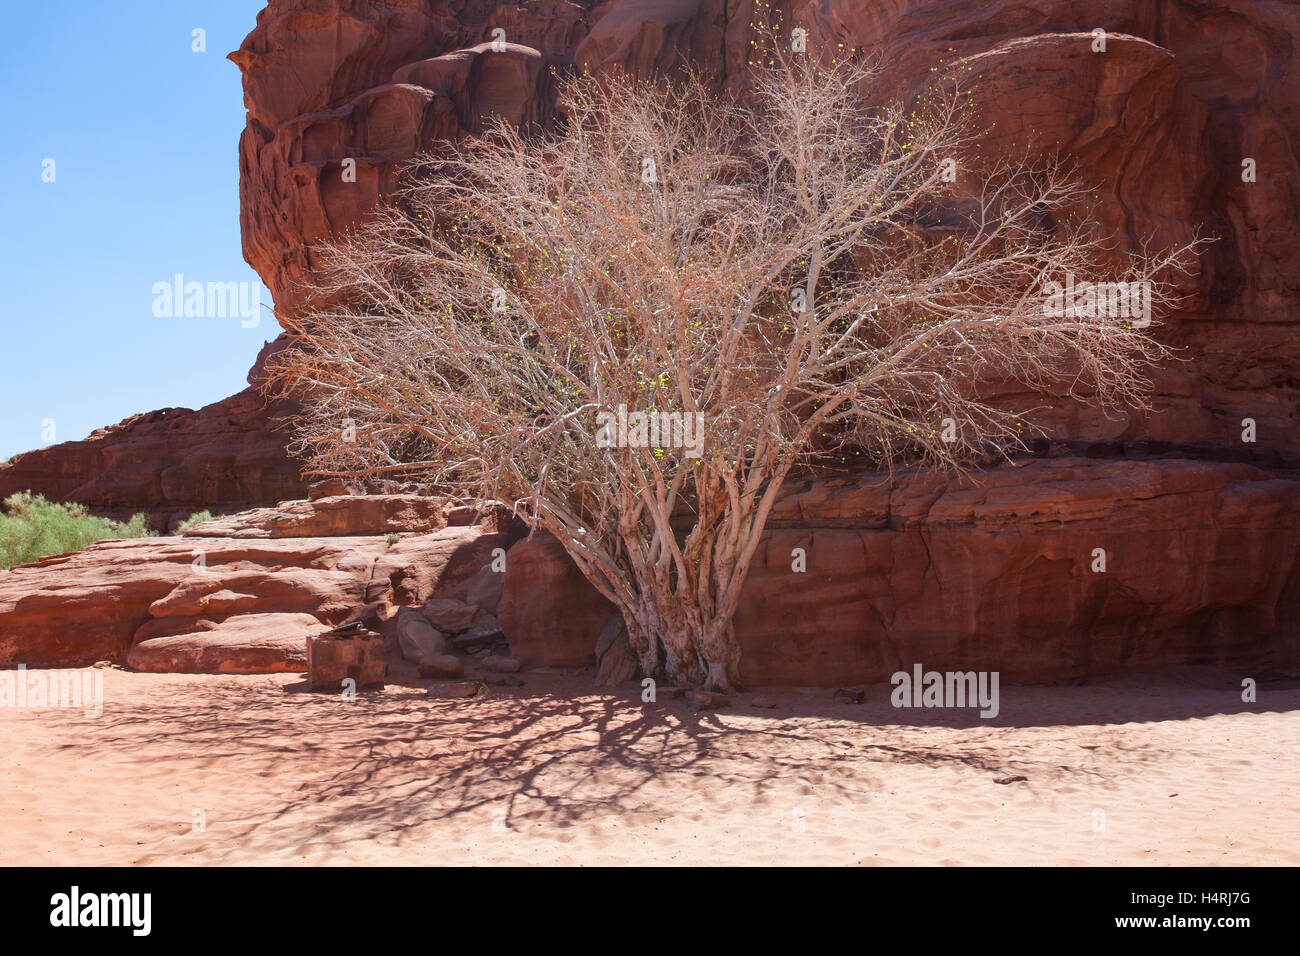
column 197, row 518
column 32, row 528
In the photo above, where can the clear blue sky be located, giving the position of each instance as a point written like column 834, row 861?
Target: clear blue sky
column 144, row 133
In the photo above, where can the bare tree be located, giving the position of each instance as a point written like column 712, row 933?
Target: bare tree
column 543, row 321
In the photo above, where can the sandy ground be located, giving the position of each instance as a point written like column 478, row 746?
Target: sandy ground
column 1172, row 769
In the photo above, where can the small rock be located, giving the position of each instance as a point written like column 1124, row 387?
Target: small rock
column 763, row 702
column 502, row 665
column 103, row 664
column 850, row 695
column 707, row 700
column 1016, row 779
column 457, row 690
column 442, row 665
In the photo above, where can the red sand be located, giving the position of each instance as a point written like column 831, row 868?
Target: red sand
column 1178, row 771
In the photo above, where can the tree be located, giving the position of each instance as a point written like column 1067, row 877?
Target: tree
column 545, row 320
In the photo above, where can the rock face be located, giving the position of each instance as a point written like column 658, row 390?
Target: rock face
column 484, row 589
column 127, row 600
column 549, row 612
column 1161, row 122
column 1200, row 566
column 326, row 82
column 167, row 464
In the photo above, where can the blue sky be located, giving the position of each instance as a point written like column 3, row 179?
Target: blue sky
column 144, row 133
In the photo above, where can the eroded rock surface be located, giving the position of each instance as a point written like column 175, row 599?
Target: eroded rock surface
column 110, row 600
column 1160, row 122
column 1200, row 566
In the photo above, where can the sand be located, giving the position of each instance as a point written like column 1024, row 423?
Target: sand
column 208, row 769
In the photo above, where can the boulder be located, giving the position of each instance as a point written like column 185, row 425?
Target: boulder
column 707, row 700
column 419, row 641
column 502, row 665
column 243, row 644
column 480, row 637
column 328, row 488
column 452, row 616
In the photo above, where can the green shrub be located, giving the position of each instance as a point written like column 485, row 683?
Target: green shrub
column 196, row 518
column 33, row 528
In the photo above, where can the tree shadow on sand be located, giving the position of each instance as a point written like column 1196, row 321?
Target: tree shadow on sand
column 558, row 753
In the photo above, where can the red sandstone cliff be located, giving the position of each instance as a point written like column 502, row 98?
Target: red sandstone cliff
column 1161, row 122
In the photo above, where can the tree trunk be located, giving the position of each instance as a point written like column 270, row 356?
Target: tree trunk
column 721, row 655
column 676, row 645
